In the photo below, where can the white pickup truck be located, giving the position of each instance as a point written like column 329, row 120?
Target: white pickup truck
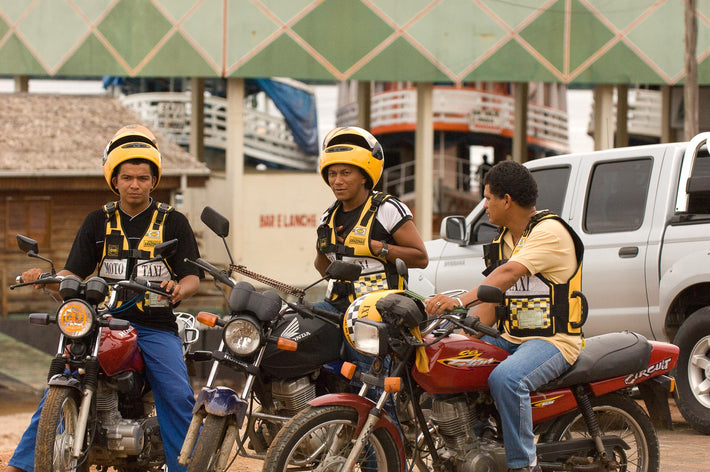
column 643, row 214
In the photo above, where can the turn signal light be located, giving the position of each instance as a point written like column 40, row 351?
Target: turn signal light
column 393, row 384
column 347, row 370
column 206, row 318
column 286, row 344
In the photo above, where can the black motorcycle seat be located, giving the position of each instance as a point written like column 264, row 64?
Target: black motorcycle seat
column 606, row 356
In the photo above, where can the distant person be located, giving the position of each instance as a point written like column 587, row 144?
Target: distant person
column 481, row 173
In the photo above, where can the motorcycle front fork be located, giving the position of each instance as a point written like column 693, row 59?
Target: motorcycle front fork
column 372, row 418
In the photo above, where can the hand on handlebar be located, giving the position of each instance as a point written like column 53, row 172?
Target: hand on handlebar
column 31, row 275
column 173, row 288
column 439, row 304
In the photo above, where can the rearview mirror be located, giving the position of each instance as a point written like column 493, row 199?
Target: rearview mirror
column 216, row 222
column 27, row 245
column 490, row 294
column 341, row 270
column 165, row 249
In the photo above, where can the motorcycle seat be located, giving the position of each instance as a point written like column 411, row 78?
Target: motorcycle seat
column 606, row 356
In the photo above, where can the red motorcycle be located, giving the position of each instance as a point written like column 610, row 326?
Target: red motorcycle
column 445, row 419
column 99, row 407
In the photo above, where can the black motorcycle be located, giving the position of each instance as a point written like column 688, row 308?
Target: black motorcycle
column 259, row 338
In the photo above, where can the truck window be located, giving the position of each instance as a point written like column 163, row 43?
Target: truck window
column 699, row 195
column 551, row 190
column 616, row 199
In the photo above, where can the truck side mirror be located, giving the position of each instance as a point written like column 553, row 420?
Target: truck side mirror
column 453, row 230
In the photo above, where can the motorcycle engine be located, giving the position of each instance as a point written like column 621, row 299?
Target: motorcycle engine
column 466, row 434
column 291, row 396
column 123, row 436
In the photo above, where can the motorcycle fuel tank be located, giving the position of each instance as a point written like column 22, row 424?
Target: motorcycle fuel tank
column 119, row 351
column 458, row 364
column 318, row 344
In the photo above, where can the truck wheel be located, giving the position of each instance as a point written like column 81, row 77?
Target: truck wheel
column 693, row 370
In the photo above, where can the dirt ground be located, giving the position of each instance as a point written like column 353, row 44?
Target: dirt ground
column 681, row 449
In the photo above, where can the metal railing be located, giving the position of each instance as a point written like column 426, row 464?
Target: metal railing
column 449, row 172
column 478, row 111
column 266, row 136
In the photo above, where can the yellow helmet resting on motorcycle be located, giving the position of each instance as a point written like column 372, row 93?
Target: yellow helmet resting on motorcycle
column 354, row 146
column 363, row 307
column 131, row 142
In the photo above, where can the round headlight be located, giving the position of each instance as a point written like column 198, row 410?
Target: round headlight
column 75, row 318
column 242, row 336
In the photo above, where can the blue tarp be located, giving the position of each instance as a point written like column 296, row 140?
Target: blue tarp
column 298, row 108
column 296, row 105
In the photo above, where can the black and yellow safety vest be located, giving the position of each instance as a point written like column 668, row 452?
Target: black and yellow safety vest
column 119, row 259
column 378, row 273
column 540, row 307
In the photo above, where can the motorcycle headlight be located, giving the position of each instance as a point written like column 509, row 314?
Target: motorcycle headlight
column 369, row 337
column 242, row 336
column 75, row 318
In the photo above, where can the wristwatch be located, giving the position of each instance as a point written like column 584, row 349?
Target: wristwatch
column 384, row 251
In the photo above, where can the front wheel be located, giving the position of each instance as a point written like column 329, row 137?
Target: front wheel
column 209, row 444
column 320, row 439
column 619, row 416
column 693, row 339
column 56, row 433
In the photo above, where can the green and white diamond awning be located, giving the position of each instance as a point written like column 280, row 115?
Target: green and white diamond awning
column 568, row 41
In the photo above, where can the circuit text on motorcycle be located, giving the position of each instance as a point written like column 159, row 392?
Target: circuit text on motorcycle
column 586, row 420
column 259, row 337
column 98, row 408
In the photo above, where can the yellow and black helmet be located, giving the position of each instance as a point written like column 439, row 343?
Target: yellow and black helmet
column 131, row 142
column 354, row 146
column 363, row 307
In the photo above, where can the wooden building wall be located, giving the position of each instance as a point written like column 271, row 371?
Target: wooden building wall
column 67, row 203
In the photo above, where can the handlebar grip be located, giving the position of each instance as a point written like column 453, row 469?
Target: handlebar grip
column 142, row 286
column 322, row 312
column 212, row 270
column 474, row 322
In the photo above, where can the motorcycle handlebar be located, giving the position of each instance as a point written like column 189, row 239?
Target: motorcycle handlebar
column 45, row 278
column 212, row 270
column 308, row 309
column 474, row 323
column 141, row 285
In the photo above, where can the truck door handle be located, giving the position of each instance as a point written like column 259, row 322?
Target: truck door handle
column 628, row 252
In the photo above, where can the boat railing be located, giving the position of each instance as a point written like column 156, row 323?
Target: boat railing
column 469, row 109
column 644, row 115
column 266, row 137
column 449, row 172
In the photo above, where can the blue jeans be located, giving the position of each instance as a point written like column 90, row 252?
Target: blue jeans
column 531, row 364
column 167, row 374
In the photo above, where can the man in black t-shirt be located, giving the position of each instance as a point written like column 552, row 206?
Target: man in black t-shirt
column 115, row 239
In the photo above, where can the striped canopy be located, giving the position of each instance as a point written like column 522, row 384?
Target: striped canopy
column 447, row 41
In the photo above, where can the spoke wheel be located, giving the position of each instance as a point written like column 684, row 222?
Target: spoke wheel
column 321, row 438
column 56, row 433
column 208, row 446
column 619, row 416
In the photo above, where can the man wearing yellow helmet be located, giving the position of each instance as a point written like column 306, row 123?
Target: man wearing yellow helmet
column 115, row 239
column 362, row 226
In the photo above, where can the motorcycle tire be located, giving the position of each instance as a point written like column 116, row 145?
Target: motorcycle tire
column 298, row 444
column 693, row 339
column 209, row 442
column 621, row 416
column 56, row 433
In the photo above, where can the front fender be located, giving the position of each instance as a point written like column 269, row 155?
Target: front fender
column 65, row 380
column 221, row 401
column 363, row 406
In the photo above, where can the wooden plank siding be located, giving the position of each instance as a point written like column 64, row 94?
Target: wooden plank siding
column 67, row 210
